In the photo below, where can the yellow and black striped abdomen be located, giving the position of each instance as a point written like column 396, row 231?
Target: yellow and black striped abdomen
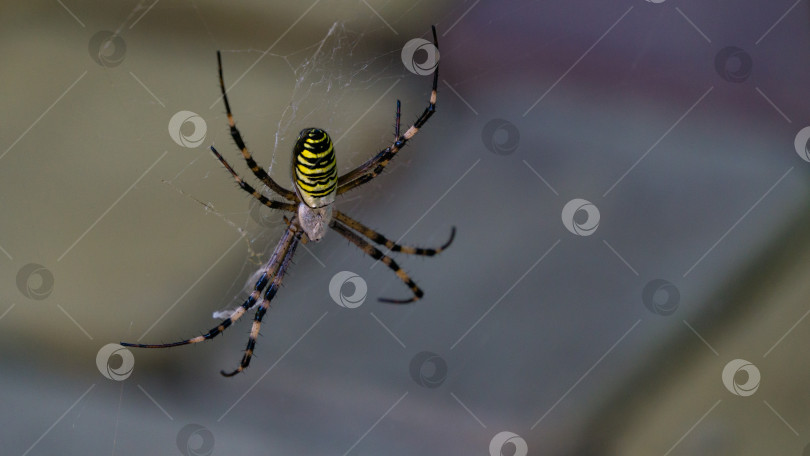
column 314, row 168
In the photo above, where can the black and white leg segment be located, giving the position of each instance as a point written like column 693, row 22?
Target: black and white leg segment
column 281, row 260
column 375, row 253
column 379, row 239
column 273, row 204
column 258, row 171
column 374, row 166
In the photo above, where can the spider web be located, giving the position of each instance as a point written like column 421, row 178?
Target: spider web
column 332, row 78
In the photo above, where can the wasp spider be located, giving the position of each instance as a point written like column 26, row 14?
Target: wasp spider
column 315, row 185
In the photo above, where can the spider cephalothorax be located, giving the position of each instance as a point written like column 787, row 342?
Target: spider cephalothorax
column 315, row 185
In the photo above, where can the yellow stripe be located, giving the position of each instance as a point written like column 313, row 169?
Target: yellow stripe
column 307, row 172
column 315, row 155
column 314, row 188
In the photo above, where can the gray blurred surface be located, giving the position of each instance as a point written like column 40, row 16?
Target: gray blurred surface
column 543, row 333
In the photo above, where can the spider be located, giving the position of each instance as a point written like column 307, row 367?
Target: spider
column 315, row 185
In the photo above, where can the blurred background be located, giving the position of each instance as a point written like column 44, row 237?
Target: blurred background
column 628, row 181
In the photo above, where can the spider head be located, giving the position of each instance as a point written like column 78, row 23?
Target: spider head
column 314, row 168
column 314, row 221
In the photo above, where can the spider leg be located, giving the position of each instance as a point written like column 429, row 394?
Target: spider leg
column 271, row 269
column 249, row 302
column 257, row 170
column 374, row 166
column 378, row 238
column 252, row 191
column 281, row 259
column 375, row 253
